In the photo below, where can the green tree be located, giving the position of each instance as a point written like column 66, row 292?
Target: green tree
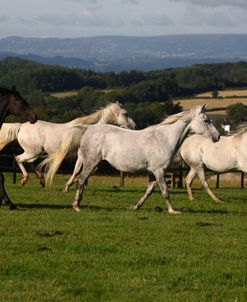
column 236, row 114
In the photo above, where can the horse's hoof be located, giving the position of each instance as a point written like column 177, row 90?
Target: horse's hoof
column 77, row 209
column 65, row 190
column 13, row 207
column 133, row 208
column 42, row 183
column 219, row 201
column 174, row 212
column 24, row 181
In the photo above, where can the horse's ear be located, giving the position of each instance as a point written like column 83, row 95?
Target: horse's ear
column 204, row 107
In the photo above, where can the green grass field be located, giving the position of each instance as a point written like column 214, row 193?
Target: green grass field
column 109, row 253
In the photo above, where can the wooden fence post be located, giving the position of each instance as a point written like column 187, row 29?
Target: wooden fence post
column 180, row 176
column 14, row 170
column 217, row 181
column 121, row 179
column 242, row 180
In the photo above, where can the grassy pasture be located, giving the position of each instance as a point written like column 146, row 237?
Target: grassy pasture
column 108, row 253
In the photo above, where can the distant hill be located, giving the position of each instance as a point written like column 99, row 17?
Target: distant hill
column 117, row 53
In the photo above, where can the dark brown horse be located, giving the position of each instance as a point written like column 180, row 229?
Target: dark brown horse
column 11, row 102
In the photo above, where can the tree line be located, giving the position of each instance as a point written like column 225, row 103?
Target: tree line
column 146, row 95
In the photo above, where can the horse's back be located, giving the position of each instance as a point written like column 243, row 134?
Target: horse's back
column 41, row 136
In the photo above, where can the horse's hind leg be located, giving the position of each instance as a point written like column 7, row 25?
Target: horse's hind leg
column 76, row 171
column 4, row 196
column 150, row 188
column 201, row 175
column 38, row 173
column 189, row 179
column 87, row 171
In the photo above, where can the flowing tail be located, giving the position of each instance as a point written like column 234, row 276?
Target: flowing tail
column 69, row 144
column 8, row 133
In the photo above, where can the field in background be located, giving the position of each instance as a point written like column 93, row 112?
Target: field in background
column 65, row 94
column 212, row 103
column 109, row 253
column 216, row 106
column 225, row 93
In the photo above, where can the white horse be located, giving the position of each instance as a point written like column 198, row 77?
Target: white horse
column 226, row 154
column 8, row 133
column 35, row 139
column 151, row 149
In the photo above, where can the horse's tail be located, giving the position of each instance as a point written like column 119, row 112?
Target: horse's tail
column 69, row 144
column 8, row 133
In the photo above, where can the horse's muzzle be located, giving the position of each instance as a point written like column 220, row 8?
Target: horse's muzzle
column 33, row 119
column 216, row 138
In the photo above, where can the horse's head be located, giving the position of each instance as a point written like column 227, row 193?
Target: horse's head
column 201, row 124
column 19, row 107
column 120, row 116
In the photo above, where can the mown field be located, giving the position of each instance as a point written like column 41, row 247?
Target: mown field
column 109, row 253
column 218, row 105
column 226, row 93
column 212, row 103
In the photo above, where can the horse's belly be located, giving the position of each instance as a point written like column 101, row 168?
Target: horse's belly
column 220, row 164
column 126, row 164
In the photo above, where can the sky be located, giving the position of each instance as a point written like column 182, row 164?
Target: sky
column 86, row 18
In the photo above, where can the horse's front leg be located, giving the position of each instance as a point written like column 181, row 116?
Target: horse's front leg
column 160, row 177
column 150, row 188
column 4, row 196
column 24, row 172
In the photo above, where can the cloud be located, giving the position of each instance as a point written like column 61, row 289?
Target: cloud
column 153, row 19
column 207, row 17
column 131, row 1
column 159, row 19
column 85, row 19
column 216, row 3
column 4, row 18
column 225, row 20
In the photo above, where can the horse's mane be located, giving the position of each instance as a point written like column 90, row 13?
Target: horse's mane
column 185, row 116
column 96, row 116
column 241, row 130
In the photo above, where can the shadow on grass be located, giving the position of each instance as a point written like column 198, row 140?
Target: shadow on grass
column 201, row 211
column 27, row 206
column 64, row 207
column 211, row 211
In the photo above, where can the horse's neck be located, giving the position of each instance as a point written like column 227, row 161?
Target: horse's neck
column 177, row 133
column 85, row 120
